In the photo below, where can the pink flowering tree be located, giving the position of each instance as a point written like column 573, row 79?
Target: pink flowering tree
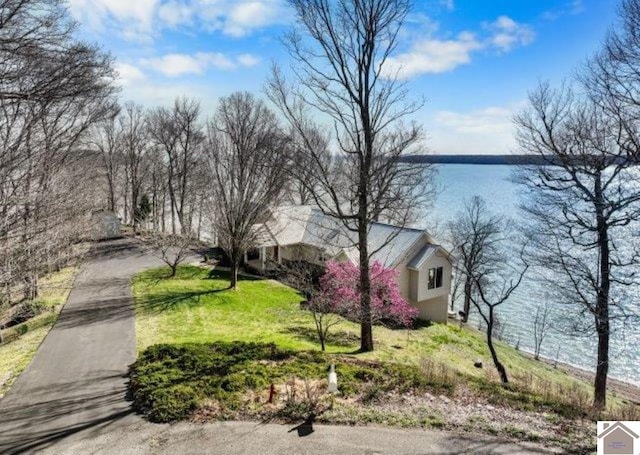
column 339, row 293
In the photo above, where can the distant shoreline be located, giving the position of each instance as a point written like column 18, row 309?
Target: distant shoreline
column 508, row 160
column 476, row 159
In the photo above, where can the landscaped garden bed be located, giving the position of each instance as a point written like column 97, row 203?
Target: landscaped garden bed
column 259, row 381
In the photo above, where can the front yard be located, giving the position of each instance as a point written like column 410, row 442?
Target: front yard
column 417, row 378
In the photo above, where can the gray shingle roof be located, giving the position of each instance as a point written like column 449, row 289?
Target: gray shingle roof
column 307, row 225
column 422, row 256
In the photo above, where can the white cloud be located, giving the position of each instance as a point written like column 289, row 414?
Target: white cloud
column 248, row 60
column 448, row 4
column 430, row 55
column 483, row 131
column 143, row 19
column 175, row 13
column 572, row 8
column 246, row 16
column 151, row 93
column 128, row 74
column 135, row 18
column 176, row 65
column 506, row 34
column 433, row 56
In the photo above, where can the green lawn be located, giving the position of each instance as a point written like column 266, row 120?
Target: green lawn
column 198, row 307
column 16, row 355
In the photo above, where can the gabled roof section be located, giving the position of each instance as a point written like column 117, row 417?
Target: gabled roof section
column 390, row 244
column 619, row 425
column 425, row 253
column 263, row 234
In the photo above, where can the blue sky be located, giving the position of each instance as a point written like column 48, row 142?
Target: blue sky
column 473, row 61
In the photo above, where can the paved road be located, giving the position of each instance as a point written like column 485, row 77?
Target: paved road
column 71, row 398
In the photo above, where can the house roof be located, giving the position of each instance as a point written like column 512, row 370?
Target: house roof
column 615, row 426
column 422, row 256
column 307, row 225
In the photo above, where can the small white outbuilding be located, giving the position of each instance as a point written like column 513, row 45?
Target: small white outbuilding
column 105, row 225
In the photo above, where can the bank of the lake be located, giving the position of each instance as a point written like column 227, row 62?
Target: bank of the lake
column 458, row 183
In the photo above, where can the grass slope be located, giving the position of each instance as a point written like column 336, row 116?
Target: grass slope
column 210, row 353
column 198, row 307
column 17, row 354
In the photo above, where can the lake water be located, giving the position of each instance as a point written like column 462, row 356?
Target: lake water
column 459, row 182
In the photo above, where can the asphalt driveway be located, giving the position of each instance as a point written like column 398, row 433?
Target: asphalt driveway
column 76, row 380
column 71, row 399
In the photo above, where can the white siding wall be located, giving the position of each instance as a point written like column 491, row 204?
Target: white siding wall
column 413, row 284
column 423, row 293
column 435, row 309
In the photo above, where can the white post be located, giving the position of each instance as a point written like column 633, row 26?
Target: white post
column 263, row 253
column 279, row 255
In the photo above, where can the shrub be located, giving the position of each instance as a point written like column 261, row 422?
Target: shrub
column 172, row 403
column 168, row 381
column 26, row 311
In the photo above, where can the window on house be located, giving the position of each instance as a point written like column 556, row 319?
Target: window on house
column 435, row 278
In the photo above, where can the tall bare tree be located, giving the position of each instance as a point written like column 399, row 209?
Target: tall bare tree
column 106, row 141
column 352, row 168
column 247, row 155
column 179, row 134
column 476, row 235
column 582, row 206
column 135, row 146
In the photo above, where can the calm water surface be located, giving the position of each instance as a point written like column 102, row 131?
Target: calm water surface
column 458, row 183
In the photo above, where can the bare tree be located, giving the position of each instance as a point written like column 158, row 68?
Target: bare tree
column 541, row 326
column 304, row 276
column 353, row 168
column 247, row 154
column 135, row 146
column 476, row 235
column 582, row 205
column 178, row 133
column 105, row 139
column 173, row 250
column 495, row 287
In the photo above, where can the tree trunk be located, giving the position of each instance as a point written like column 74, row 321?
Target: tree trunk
column 494, row 355
column 112, row 196
column 602, row 369
column 317, row 318
column 602, row 304
column 366, row 330
column 467, row 298
column 235, row 265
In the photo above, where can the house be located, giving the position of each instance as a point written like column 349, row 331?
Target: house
column 617, row 439
column 304, row 233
